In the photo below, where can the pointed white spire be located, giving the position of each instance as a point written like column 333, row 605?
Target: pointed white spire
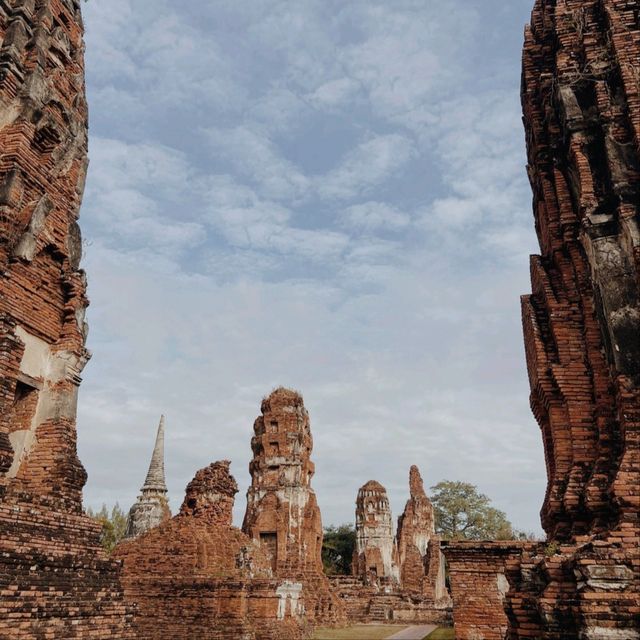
column 155, row 480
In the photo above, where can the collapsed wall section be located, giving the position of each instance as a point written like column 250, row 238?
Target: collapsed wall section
column 196, row 576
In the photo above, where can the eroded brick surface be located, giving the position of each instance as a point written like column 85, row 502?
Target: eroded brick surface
column 375, row 557
column 282, row 513
column 581, row 100
column 395, row 579
column 55, row 580
column 196, row 576
column 422, row 569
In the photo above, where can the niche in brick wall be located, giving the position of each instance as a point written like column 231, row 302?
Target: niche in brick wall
column 269, row 542
column 23, row 410
column 22, row 414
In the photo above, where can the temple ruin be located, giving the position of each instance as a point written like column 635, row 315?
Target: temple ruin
column 376, row 554
column 395, row 579
column 581, row 101
column 152, row 506
column 197, row 576
column 422, row 567
column 55, row 579
column 282, row 513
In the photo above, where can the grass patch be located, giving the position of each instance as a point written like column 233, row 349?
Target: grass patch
column 358, row 632
column 442, row 634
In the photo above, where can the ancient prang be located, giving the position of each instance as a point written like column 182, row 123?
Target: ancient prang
column 581, row 100
column 197, row 576
column 152, row 507
column 397, row 579
column 55, row 580
column 422, row 568
column 376, row 555
column 282, row 513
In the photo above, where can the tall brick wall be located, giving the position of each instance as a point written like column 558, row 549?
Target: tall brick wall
column 55, row 581
column 581, row 101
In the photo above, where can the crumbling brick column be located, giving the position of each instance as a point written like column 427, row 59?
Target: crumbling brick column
column 581, row 101
column 422, row 568
column 55, row 580
column 375, row 557
column 282, row 513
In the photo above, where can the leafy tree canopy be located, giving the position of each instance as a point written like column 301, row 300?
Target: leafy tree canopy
column 337, row 549
column 462, row 513
column 114, row 525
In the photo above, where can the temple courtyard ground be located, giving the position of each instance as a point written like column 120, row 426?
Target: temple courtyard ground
column 385, row 632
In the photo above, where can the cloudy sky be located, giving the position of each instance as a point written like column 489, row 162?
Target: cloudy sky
column 323, row 194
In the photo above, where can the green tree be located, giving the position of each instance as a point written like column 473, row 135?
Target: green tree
column 462, row 513
column 337, row 549
column 114, row 525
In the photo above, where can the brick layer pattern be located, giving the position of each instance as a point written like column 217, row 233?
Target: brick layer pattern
column 581, row 101
column 368, row 604
column 55, row 580
column 197, row 577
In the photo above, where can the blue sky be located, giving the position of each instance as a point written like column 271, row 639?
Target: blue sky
column 326, row 195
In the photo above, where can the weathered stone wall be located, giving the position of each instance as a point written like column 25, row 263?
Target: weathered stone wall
column 195, row 576
column 282, row 513
column 375, row 557
column 581, row 100
column 55, row 581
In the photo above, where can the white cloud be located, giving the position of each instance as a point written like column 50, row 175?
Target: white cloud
column 366, row 166
column 254, row 155
column 370, row 216
column 316, row 194
column 334, row 93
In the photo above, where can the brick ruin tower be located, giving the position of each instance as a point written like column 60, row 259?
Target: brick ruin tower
column 197, row 576
column 375, row 557
column 152, row 507
column 55, row 580
column 581, row 101
column 282, row 512
column 422, row 568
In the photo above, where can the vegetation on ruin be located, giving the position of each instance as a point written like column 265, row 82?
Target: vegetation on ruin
column 114, row 525
column 337, row 549
column 463, row 513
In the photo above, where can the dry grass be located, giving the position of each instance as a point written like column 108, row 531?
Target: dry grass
column 358, row 632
